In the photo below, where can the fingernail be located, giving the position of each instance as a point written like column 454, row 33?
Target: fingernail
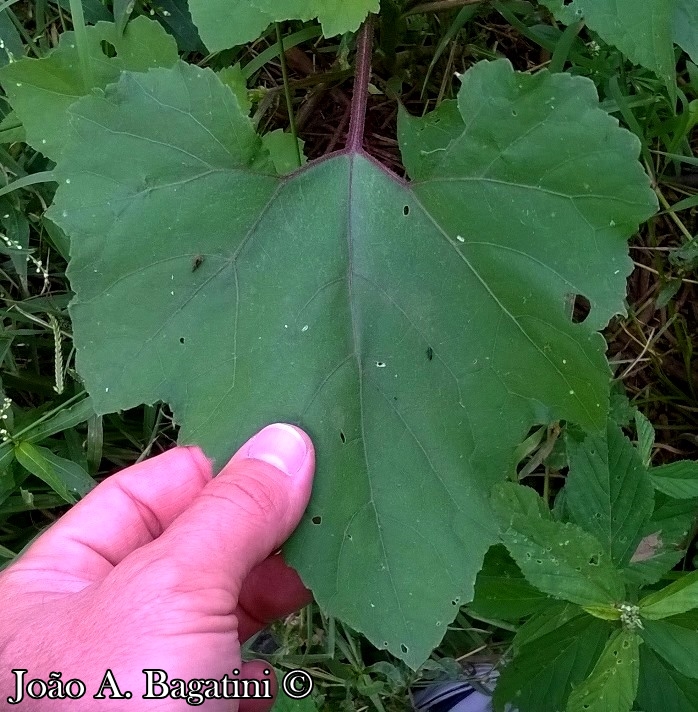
column 279, row 445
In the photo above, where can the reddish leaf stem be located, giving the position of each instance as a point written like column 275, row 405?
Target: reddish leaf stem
column 362, row 79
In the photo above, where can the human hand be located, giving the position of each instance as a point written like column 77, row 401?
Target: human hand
column 159, row 567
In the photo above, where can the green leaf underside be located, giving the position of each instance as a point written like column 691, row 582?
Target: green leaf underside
column 643, row 31
column 686, row 27
column 226, row 23
column 613, row 683
column 662, row 688
column 678, row 597
column 540, row 677
column 42, row 90
column 416, row 331
column 609, row 492
column 676, row 640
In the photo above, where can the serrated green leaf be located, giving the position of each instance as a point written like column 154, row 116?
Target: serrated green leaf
column 609, row 492
column 676, row 640
column 226, row 23
column 553, row 616
column 65, row 477
column 235, row 80
column 678, row 597
column 41, row 90
column 542, row 674
column 561, row 560
column 417, row 331
column 664, row 540
column 613, row 683
column 641, row 30
column 501, row 591
column 645, row 437
column 283, row 152
column 678, row 479
column 663, row 689
column 686, row 27
column 509, row 499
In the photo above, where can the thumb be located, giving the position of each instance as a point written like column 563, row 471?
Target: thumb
column 245, row 514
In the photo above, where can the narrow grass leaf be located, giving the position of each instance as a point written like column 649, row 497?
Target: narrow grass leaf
column 62, row 420
column 65, row 477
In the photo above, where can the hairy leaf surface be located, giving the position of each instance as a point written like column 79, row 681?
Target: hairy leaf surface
column 416, row 330
column 226, row 23
column 42, row 90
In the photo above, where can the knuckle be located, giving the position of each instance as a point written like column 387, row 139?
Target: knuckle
column 254, row 493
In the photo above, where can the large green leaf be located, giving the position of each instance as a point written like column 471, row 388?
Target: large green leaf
column 541, row 676
column 643, row 30
column 676, row 640
column 686, row 27
column 41, row 90
column 608, row 491
column 415, row 330
column 612, row 684
column 561, row 560
column 226, row 23
column 663, row 689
